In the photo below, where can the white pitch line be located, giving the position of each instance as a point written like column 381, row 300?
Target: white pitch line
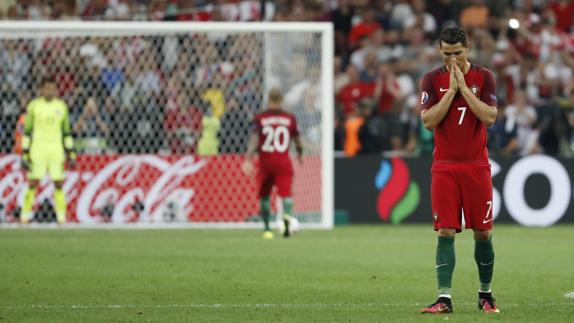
column 247, row 306
column 569, row 295
column 214, row 306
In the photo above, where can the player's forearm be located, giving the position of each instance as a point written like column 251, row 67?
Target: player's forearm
column 252, row 147
column 481, row 110
column 298, row 146
column 434, row 116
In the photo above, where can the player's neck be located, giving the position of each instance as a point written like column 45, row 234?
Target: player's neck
column 466, row 67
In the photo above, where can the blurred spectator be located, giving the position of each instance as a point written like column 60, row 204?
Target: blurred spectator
column 370, row 72
column 503, row 80
column 340, row 79
column 148, row 79
column 502, row 138
column 484, row 47
column 37, row 10
column 118, row 10
column 420, row 19
column 9, row 113
column 553, row 127
column 91, row 130
column 208, row 144
column 372, row 133
column 303, row 99
column 475, row 15
column 364, row 27
column 425, row 139
column 65, row 10
column 354, row 91
column 342, row 21
column 95, row 10
column 397, row 134
column 387, row 89
column 234, row 124
column 182, row 124
column 112, row 75
column 15, row 64
column 416, row 49
column 524, row 116
column 353, row 123
column 563, row 11
column 215, row 96
column 358, row 56
column 5, row 6
column 339, row 140
column 443, row 11
column 127, row 93
column 401, row 11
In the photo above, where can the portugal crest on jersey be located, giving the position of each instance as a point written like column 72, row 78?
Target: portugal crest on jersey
column 474, row 89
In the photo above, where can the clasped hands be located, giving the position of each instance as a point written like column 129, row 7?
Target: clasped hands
column 456, row 78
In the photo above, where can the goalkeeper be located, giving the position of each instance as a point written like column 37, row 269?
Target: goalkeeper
column 47, row 144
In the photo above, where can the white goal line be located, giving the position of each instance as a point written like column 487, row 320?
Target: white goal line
column 247, row 306
column 151, row 226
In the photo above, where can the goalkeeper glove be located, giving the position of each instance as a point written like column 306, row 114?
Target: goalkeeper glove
column 25, row 160
column 71, row 159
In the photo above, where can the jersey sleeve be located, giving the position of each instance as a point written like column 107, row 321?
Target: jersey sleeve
column 488, row 95
column 428, row 97
column 29, row 120
column 28, row 125
column 66, row 129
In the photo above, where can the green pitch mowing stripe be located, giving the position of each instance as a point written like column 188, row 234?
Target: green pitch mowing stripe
column 355, row 273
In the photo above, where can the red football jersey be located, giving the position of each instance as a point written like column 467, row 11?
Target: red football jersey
column 351, row 94
column 460, row 137
column 275, row 129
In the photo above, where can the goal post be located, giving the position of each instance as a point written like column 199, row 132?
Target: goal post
column 161, row 115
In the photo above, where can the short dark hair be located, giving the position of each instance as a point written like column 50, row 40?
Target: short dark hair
column 47, row 80
column 453, row 35
column 275, row 95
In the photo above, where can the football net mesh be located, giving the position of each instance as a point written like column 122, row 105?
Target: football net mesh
column 161, row 120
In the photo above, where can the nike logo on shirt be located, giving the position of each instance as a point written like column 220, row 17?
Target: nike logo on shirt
column 443, row 90
column 440, row 265
column 490, row 263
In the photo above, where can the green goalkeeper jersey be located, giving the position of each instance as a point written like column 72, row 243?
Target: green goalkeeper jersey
column 47, row 127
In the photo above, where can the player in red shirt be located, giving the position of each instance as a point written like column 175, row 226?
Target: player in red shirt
column 273, row 131
column 458, row 102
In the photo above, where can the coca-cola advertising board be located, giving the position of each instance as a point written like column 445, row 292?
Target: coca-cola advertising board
column 158, row 189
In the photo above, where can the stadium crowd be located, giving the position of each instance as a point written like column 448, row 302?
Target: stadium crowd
column 383, row 52
column 382, row 49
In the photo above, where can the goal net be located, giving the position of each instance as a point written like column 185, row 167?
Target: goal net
column 161, row 114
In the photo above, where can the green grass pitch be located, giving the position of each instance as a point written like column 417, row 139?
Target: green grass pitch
column 379, row 273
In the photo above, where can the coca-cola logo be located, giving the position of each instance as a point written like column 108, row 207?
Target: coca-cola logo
column 118, row 183
column 151, row 182
column 12, row 180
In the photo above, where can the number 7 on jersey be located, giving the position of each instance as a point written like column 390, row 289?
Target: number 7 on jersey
column 463, row 111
